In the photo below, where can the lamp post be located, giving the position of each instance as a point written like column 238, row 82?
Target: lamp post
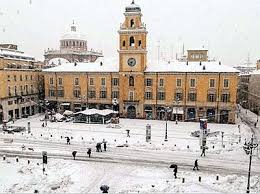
column 167, row 110
column 114, row 103
column 249, row 151
column 177, row 103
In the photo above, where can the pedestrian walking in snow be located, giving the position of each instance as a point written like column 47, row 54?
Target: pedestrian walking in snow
column 175, row 171
column 203, row 151
column 89, row 152
column 105, row 146
column 98, row 146
column 68, row 140
column 255, row 125
column 196, row 166
column 74, row 154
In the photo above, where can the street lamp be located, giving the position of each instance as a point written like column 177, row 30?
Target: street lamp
column 248, row 147
column 114, row 103
column 167, row 110
column 177, row 103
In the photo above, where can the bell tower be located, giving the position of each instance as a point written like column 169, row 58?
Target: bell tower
column 132, row 62
column 132, row 41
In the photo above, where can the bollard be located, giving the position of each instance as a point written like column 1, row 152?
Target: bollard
column 217, row 178
column 28, row 161
column 17, row 159
column 213, row 147
column 188, row 147
column 199, row 179
column 183, row 180
column 3, row 157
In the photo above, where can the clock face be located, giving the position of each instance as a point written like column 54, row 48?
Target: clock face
column 131, row 62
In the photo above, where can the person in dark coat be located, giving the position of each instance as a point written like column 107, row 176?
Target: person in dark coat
column 203, row 151
column 97, row 148
column 105, row 146
column 196, row 166
column 74, row 154
column 255, row 125
column 175, row 171
column 89, row 152
column 68, row 140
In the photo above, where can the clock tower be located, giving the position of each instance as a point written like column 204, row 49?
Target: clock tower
column 132, row 62
column 132, row 41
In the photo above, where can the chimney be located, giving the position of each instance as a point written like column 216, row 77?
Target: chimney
column 187, row 63
column 204, row 67
column 200, row 63
column 75, row 64
column 219, row 62
column 101, row 63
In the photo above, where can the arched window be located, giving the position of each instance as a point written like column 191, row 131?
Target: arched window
column 67, row 44
column 132, row 23
column 124, row 43
column 73, row 43
column 140, row 43
column 131, row 81
column 131, row 41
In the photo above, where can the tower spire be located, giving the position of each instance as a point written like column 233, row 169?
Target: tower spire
column 133, row 1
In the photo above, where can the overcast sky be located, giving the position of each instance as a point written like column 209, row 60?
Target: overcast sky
column 229, row 28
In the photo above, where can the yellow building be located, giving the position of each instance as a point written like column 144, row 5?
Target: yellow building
column 193, row 89
column 19, row 83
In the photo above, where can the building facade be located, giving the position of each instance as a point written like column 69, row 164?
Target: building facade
column 21, row 83
column 192, row 89
column 73, row 48
column 253, row 102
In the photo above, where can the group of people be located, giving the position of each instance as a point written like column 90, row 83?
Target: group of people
column 75, row 152
column 175, row 168
column 98, row 147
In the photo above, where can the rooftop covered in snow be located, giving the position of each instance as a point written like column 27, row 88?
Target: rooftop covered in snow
column 176, row 66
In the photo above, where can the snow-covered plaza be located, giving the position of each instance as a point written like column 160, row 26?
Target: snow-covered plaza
column 130, row 164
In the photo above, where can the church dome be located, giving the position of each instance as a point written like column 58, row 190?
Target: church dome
column 73, row 34
column 133, row 7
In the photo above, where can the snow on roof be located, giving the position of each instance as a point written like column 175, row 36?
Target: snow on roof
column 178, row 66
column 57, row 61
column 99, row 65
column 74, row 36
column 7, row 53
column 94, row 111
column 111, row 65
column 256, row 72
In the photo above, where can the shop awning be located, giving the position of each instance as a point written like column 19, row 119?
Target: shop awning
column 177, row 110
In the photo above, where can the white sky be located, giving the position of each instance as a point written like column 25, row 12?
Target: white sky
column 229, row 28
